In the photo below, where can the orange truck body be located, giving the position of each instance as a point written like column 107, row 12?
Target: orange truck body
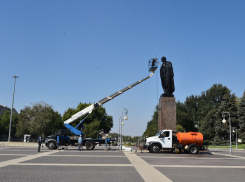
column 190, row 138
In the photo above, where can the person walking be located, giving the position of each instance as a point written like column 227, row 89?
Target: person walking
column 39, row 142
column 80, row 143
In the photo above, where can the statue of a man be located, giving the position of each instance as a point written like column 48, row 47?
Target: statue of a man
column 167, row 78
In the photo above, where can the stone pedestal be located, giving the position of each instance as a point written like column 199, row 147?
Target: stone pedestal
column 167, row 113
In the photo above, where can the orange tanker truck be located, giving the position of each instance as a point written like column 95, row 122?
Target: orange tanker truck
column 191, row 142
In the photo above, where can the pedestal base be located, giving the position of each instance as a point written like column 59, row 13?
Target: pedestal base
column 167, row 113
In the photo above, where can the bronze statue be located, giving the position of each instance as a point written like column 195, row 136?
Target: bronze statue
column 167, row 78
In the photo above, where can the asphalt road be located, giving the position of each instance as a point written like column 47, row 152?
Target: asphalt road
column 26, row 164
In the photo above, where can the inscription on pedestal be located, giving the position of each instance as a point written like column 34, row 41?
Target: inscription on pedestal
column 167, row 113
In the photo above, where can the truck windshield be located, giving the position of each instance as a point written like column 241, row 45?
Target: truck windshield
column 158, row 133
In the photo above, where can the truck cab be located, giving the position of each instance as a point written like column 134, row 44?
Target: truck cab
column 59, row 138
column 162, row 140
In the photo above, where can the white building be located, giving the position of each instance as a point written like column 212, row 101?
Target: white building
column 5, row 108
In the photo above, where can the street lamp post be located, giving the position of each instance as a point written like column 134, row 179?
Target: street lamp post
column 12, row 108
column 125, row 118
column 236, row 135
column 197, row 125
column 139, row 138
column 119, row 132
column 224, row 121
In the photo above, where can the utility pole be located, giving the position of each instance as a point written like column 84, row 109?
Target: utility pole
column 12, row 109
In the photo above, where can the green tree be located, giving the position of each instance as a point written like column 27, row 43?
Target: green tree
column 207, row 128
column 213, row 97
column 182, row 117
column 241, row 111
column 39, row 118
column 192, row 108
column 5, row 121
column 91, row 129
column 222, row 131
column 96, row 121
column 180, row 128
column 152, row 125
column 198, row 107
column 202, row 108
column 135, row 139
column 238, row 100
column 151, row 130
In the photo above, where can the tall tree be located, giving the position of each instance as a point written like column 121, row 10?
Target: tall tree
column 202, row 108
column 182, row 117
column 5, row 121
column 91, row 129
column 222, row 132
column 198, row 107
column 39, row 118
column 152, row 125
column 241, row 111
column 192, row 106
column 180, row 128
column 207, row 128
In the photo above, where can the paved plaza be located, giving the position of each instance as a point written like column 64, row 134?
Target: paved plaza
column 26, row 164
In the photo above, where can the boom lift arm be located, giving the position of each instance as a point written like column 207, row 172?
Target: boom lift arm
column 88, row 110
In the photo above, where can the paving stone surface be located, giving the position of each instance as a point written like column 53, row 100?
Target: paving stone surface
column 26, row 164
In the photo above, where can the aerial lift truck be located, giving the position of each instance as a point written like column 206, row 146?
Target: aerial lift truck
column 61, row 138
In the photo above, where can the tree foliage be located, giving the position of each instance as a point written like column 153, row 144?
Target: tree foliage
column 5, row 121
column 91, row 129
column 182, row 117
column 180, row 128
column 207, row 108
column 39, row 118
column 222, row 131
column 241, row 112
column 152, row 125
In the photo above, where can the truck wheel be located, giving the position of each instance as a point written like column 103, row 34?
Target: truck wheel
column 176, row 151
column 155, row 148
column 52, row 145
column 194, row 150
column 90, row 145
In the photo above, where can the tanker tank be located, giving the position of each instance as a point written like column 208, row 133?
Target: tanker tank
column 190, row 138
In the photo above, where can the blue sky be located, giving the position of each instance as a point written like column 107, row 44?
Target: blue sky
column 66, row 52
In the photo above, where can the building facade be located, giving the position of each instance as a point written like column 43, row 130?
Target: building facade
column 5, row 108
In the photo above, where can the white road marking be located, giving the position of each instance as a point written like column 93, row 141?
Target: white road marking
column 204, row 158
column 146, row 171
column 57, row 164
column 22, row 159
column 85, row 156
column 235, row 156
column 193, row 166
column 16, row 154
column 34, row 150
column 86, row 151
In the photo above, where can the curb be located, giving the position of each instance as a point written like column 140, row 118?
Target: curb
column 22, row 144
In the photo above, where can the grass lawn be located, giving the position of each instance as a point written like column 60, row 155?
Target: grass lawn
column 239, row 146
